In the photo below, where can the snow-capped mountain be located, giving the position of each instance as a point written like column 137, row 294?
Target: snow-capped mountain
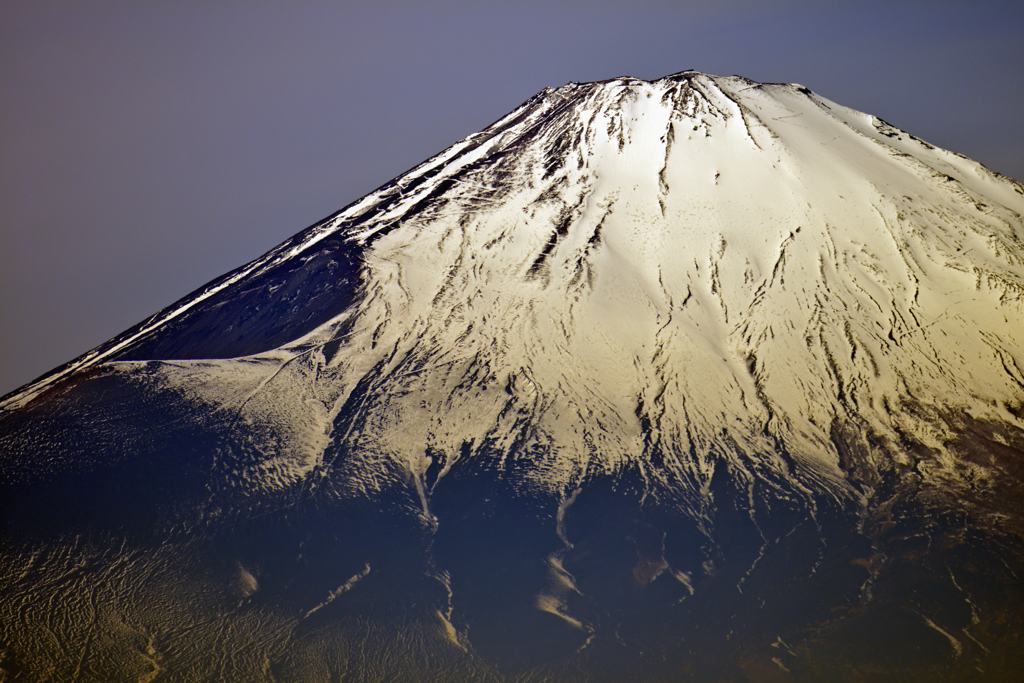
column 693, row 377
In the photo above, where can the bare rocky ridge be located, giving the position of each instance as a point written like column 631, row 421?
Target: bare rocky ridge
column 694, row 377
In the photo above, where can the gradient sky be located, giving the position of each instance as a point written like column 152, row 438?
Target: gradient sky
column 148, row 147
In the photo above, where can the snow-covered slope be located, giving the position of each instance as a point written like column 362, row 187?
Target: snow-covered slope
column 694, row 268
column 681, row 279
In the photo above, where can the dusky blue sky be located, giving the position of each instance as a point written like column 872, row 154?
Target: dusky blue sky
column 148, row 147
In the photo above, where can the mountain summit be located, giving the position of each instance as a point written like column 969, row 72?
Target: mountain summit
column 697, row 377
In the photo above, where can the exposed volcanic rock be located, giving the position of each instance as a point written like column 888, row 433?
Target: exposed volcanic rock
column 695, row 377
